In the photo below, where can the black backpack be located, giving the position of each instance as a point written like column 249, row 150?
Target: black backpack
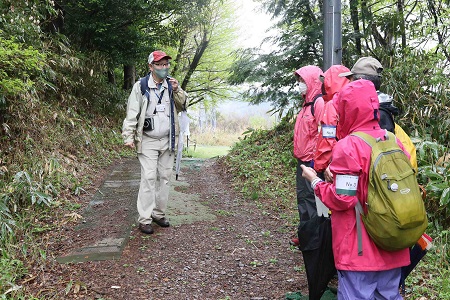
column 387, row 112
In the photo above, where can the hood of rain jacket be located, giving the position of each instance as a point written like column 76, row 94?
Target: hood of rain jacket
column 311, row 76
column 353, row 113
column 306, row 125
column 332, row 82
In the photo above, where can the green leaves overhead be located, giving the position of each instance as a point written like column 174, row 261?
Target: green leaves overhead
column 204, row 50
column 120, row 29
column 196, row 34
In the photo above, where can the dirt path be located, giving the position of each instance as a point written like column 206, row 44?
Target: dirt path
column 242, row 254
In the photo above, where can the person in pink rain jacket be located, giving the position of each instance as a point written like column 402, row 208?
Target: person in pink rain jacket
column 376, row 273
column 305, row 141
column 332, row 84
column 310, row 237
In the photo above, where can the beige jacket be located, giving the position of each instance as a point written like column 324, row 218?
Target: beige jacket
column 133, row 124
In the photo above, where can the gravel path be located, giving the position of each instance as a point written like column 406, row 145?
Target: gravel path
column 243, row 254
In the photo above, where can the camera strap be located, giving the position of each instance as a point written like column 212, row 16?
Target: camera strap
column 160, row 96
column 172, row 116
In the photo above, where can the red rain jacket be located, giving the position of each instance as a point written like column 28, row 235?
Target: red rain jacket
column 306, row 126
column 332, row 84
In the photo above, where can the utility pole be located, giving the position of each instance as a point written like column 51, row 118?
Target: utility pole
column 332, row 33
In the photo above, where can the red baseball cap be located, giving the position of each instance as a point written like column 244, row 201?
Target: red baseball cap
column 157, row 56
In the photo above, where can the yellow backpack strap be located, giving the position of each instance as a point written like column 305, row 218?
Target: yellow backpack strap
column 359, row 211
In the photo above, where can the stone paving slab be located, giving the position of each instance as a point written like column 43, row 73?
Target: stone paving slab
column 116, row 200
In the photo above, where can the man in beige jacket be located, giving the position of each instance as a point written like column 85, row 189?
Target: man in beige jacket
column 151, row 126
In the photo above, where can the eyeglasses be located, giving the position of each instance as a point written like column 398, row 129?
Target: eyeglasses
column 162, row 65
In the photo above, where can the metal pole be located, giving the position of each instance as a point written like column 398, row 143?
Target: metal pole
column 327, row 34
column 332, row 34
column 337, row 47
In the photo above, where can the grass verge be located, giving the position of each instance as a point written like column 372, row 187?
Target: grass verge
column 202, row 151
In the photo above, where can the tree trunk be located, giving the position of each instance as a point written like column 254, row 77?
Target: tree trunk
column 56, row 24
column 401, row 12
column 180, row 51
column 129, row 76
column 111, row 77
column 441, row 37
column 355, row 23
column 195, row 61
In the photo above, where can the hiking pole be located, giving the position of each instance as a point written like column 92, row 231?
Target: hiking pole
column 184, row 128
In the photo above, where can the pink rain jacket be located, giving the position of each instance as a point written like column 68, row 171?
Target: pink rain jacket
column 332, row 84
column 356, row 105
column 306, row 125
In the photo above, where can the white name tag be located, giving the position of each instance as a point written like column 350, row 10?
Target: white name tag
column 346, row 184
column 329, row 131
column 160, row 107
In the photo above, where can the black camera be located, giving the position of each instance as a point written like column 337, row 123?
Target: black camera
column 149, row 124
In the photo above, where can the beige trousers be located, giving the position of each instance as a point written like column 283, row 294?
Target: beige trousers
column 156, row 169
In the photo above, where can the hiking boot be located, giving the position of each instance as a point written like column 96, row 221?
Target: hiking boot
column 146, row 228
column 163, row 222
column 294, row 242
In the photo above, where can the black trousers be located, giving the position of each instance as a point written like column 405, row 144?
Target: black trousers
column 308, row 232
column 314, row 234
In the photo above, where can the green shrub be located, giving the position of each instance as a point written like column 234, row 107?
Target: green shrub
column 19, row 64
column 263, row 166
column 419, row 84
column 434, row 175
column 10, row 270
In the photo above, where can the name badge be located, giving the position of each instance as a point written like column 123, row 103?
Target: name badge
column 160, row 107
column 329, row 131
column 346, row 184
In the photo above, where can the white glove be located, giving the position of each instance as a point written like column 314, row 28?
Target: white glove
column 322, row 210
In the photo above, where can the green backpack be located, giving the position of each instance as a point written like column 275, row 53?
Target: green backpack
column 396, row 216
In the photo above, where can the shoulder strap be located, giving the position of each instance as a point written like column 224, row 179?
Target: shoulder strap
column 312, row 103
column 144, row 85
column 359, row 211
column 170, row 89
column 172, row 116
column 371, row 141
column 145, row 90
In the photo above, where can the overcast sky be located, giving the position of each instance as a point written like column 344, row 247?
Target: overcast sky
column 252, row 22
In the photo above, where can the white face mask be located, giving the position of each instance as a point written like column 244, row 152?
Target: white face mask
column 302, row 88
